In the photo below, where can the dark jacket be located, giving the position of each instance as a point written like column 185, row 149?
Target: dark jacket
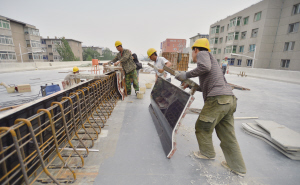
column 136, row 61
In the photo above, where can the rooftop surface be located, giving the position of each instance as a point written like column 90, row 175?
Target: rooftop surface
column 130, row 151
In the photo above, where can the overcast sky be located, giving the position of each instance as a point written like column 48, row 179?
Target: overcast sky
column 138, row 24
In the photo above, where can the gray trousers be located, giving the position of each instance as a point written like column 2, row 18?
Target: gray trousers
column 224, row 69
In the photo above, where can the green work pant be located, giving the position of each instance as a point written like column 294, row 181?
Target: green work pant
column 132, row 75
column 217, row 113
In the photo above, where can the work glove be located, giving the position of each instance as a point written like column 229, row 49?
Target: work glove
column 181, row 76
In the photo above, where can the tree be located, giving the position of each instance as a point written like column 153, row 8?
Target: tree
column 107, row 54
column 65, row 51
column 89, row 54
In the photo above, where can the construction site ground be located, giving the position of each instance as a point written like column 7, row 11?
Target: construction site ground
column 130, row 151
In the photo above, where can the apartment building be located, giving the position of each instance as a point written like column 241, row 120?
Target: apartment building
column 96, row 48
column 173, row 45
column 192, row 40
column 19, row 41
column 264, row 35
column 49, row 49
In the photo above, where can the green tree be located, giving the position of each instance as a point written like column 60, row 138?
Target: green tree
column 89, row 54
column 65, row 51
column 107, row 54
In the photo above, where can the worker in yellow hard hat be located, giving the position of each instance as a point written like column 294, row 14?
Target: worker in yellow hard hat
column 124, row 57
column 159, row 62
column 217, row 112
column 70, row 78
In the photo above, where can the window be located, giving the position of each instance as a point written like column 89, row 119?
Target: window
column 289, row 46
column 227, row 27
column 293, row 28
column 44, row 49
column 35, row 44
column 233, row 49
column 28, row 43
column 232, row 22
column 285, row 63
column 228, row 49
column 216, row 40
column 236, row 36
column 249, row 62
column 43, row 41
column 222, row 29
column 254, row 33
column 238, row 21
column 56, row 42
column 230, row 36
column 45, row 57
column 243, row 35
column 296, row 9
column 49, row 46
column 32, row 31
column 215, row 29
column 246, row 19
column 239, row 62
column 4, row 24
column 257, row 16
column 252, row 48
column 56, row 57
column 214, row 51
column 7, row 56
column 211, row 41
column 50, row 53
column 224, row 50
column 231, row 61
column 226, row 39
column 241, row 50
column 6, row 40
column 219, row 51
column 221, row 40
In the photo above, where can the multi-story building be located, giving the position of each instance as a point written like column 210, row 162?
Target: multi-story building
column 19, row 41
column 264, row 35
column 173, row 45
column 50, row 53
column 96, row 48
column 192, row 40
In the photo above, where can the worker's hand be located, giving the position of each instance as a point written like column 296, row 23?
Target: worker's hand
column 181, row 76
column 161, row 70
column 184, row 85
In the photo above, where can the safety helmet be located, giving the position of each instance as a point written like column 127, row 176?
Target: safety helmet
column 150, row 52
column 118, row 43
column 203, row 43
column 75, row 69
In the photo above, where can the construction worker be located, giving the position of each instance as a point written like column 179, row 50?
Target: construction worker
column 125, row 59
column 218, row 109
column 159, row 62
column 225, row 65
column 69, row 79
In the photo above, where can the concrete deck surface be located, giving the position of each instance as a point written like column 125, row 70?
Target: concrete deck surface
column 131, row 153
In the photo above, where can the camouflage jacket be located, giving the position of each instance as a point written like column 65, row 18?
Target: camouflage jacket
column 126, row 61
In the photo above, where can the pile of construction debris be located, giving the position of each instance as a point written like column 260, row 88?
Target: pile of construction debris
column 278, row 136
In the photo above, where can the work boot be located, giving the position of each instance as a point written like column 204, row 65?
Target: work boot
column 225, row 165
column 201, row 156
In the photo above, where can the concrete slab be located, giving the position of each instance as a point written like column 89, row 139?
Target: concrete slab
column 286, row 137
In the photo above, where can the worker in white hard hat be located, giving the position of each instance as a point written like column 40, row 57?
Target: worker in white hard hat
column 69, row 79
column 124, row 57
column 159, row 62
column 217, row 112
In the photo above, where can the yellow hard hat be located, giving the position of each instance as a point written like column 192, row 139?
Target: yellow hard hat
column 203, row 43
column 118, row 43
column 151, row 51
column 75, row 69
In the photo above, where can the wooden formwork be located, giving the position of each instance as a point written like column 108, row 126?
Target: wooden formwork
column 180, row 61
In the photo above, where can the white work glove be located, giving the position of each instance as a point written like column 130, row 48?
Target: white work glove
column 181, row 76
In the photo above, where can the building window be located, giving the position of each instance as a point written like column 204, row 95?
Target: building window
column 239, row 62
column 216, row 40
column 252, row 48
column 7, row 56
column 289, row 46
column 293, row 28
column 257, row 16
column 230, row 36
column 44, row 49
column 241, row 50
column 234, row 49
column 222, row 29
column 246, row 19
column 32, row 31
column 50, row 53
column 228, row 49
column 221, row 40
column 219, row 51
column 215, row 29
column 56, row 57
column 4, row 24
column 232, row 22
column 226, row 39
column 43, row 41
column 56, row 42
column 227, row 27
column 45, row 57
column 254, row 33
column 243, row 35
column 249, row 62
column 285, row 63
column 236, row 36
column 35, row 44
column 6, row 40
column 231, row 61
column 296, row 9
column 214, row 51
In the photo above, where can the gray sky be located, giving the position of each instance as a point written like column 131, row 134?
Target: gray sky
column 138, row 24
